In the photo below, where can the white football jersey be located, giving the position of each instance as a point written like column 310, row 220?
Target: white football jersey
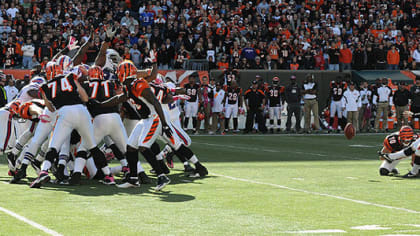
column 23, row 94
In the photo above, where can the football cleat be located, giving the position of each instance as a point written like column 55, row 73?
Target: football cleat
column 59, row 174
column 200, row 171
column 162, row 182
column 131, row 182
column 409, row 175
column 188, row 168
column 20, row 174
column 144, row 179
column 42, row 179
column 75, row 178
column 395, row 171
column 385, row 156
column 108, row 180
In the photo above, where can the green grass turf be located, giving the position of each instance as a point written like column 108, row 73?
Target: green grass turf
column 217, row 205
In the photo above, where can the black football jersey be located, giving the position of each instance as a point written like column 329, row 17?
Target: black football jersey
column 275, row 95
column 393, row 143
column 192, row 91
column 233, row 95
column 337, row 92
column 229, row 77
column 132, row 110
column 160, row 92
column 101, row 90
column 62, row 91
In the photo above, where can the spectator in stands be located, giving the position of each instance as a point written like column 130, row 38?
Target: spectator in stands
column 416, row 55
column 345, row 57
column 380, row 55
column 257, row 65
column 401, row 98
column 294, row 65
column 333, row 54
column 11, row 90
column 28, row 50
column 370, row 58
column 359, row 58
column 223, row 65
column 249, row 52
column 393, row 58
column 45, row 50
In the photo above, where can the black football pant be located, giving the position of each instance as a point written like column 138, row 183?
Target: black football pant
column 293, row 109
column 258, row 114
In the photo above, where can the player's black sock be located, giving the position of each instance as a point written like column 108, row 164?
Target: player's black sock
column 118, row 154
column 151, row 158
column 180, row 157
column 332, row 121
column 98, row 157
column 195, row 123
column 155, row 148
column 132, row 159
column 235, row 123
column 186, row 121
column 279, row 122
column 227, row 124
column 184, row 152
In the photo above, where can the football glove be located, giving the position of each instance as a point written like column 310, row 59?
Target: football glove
column 72, row 43
column 166, row 130
column 110, row 34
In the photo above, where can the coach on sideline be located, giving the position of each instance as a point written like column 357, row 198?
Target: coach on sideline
column 254, row 100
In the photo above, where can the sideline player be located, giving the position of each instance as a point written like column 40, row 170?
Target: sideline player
column 276, row 98
column 191, row 106
column 233, row 101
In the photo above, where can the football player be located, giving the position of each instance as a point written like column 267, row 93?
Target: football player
column 233, row 102
column 393, row 143
column 336, row 94
column 275, row 98
column 191, row 106
column 66, row 95
column 147, row 130
column 7, row 134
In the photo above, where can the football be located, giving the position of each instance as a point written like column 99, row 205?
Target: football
column 349, row 131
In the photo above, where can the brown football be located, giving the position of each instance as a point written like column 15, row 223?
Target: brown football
column 349, row 131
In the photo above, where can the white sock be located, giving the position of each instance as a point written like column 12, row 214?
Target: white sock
column 116, row 170
column 185, row 163
column 139, row 167
column 124, row 162
column 193, row 159
column 62, row 162
column 25, row 161
column 106, row 170
column 66, row 172
column 159, row 156
column 415, row 169
column 46, row 165
column 79, row 164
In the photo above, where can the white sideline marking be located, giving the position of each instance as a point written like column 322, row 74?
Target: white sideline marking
column 361, row 145
column 300, row 179
column 370, row 227
column 260, row 149
column 30, row 222
column 351, row 177
column 319, row 194
column 316, row 231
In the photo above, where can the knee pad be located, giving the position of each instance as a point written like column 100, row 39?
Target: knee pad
column 82, row 154
column 383, row 171
column 417, row 160
column 51, row 155
column 98, row 157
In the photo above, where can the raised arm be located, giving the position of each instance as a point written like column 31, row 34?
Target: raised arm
column 77, row 59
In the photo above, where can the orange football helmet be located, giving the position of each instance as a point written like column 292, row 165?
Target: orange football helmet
column 95, row 72
column 52, row 70
column 24, row 110
column 126, row 69
column 406, row 135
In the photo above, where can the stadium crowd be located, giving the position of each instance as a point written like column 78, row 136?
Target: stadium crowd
column 320, row 35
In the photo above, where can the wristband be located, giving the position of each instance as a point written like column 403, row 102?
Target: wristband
column 173, row 90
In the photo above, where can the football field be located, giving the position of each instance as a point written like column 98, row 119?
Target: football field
column 258, row 185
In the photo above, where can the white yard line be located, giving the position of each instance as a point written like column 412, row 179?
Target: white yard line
column 30, row 222
column 319, row 194
column 259, row 149
column 277, row 135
